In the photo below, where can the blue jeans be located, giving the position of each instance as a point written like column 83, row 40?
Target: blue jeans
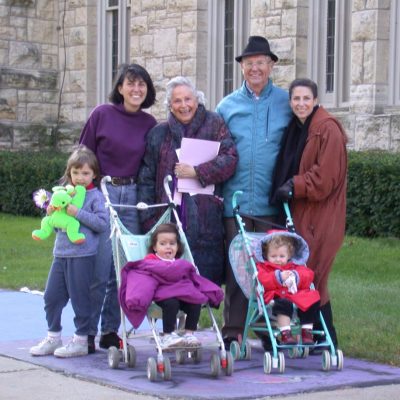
column 104, row 290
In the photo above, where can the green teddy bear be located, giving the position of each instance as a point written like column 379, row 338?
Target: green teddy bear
column 61, row 198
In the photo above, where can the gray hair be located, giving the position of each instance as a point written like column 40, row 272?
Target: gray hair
column 183, row 81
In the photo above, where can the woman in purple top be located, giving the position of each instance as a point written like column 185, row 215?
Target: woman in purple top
column 116, row 133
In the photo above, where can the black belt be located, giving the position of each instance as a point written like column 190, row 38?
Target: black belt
column 119, row 181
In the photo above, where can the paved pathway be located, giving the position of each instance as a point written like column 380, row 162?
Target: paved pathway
column 23, row 376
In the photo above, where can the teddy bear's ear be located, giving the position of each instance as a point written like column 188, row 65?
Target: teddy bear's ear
column 58, row 188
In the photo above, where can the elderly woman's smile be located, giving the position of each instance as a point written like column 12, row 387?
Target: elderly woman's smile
column 183, row 104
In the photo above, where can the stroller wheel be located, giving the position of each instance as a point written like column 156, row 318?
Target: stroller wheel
column 306, row 352
column 114, row 357
column 215, row 365
column 167, row 369
column 198, row 355
column 281, row 362
column 340, row 359
column 180, row 356
column 151, row 369
column 294, row 352
column 131, row 357
column 229, row 364
column 267, row 363
column 326, row 360
column 235, row 349
column 248, row 351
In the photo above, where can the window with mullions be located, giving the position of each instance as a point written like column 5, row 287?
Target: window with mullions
column 394, row 64
column 329, row 34
column 228, row 46
column 228, row 30
column 330, row 47
column 114, row 42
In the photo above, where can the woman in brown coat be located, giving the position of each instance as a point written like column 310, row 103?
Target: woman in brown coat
column 311, row 173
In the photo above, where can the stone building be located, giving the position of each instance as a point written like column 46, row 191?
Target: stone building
column 58, row 57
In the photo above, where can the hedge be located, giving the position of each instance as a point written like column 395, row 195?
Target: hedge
column 373, row 206
column 373, row 195
column 21, row 173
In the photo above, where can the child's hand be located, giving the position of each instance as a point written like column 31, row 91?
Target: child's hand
column 50, row 209
column 290, row 283
column 72, row 210
column 285, row 275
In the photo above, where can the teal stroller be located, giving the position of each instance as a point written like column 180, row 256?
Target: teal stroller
column 126, row 247
column 244, row 253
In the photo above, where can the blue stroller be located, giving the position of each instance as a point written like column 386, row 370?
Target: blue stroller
column 126, row 247
column 244, row 253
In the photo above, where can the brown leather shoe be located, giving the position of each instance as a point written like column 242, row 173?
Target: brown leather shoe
column 287, row 338
column 307, row 336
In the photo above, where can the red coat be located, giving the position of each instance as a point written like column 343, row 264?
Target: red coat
column 304, row 297
column 319, row 203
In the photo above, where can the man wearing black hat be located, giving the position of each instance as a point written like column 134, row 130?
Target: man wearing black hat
column 256, row 114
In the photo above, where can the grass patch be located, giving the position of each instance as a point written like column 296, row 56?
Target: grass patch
column 23, row 261
column 364, row 286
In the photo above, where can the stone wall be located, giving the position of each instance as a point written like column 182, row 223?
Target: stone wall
column 48, row 62
column 45, row 89
column 169, row 38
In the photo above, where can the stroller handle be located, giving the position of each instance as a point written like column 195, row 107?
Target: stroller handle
column 235, row 199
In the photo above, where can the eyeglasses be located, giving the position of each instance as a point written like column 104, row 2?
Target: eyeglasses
column 258, row 64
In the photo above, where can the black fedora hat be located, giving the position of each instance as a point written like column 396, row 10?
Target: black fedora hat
column 257, row 45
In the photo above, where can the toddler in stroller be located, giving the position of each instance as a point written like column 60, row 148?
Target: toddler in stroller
column 288, row 283
column 176, row 286
column 270, row 269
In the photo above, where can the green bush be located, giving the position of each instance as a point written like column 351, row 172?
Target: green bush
column 373, row 195
column 21, row 173
column 373, row 198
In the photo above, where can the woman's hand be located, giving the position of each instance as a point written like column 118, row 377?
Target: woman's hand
column 184, row 171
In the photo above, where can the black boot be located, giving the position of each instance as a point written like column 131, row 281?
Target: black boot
column 326, row 311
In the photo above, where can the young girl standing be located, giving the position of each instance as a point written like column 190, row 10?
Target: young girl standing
column 71, row 272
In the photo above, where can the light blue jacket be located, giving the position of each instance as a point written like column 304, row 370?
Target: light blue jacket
column 257, row 126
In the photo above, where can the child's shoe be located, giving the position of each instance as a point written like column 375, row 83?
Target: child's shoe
column 171, row 340
column 75, row 348
column 287, row 338
column 46, row 347
column 190, row 340
column 307, row 336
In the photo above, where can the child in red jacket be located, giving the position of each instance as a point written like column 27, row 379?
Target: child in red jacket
column 288, row 282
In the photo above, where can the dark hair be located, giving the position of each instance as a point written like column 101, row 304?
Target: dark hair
column 306, row 83
column 78, row 158
column 133, row 72
column 166, row 228
column 278, row 241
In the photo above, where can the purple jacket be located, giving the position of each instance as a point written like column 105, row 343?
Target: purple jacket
column 150, row 280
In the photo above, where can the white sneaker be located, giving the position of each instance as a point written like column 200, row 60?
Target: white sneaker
column 46, row 347
column 170, row 340
column 74, row 348
column 190, row 340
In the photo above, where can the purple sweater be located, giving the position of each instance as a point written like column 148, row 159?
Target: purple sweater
column 117, row 137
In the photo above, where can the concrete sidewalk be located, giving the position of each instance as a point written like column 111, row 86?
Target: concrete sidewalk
column 21, row 380
column 23, row 376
